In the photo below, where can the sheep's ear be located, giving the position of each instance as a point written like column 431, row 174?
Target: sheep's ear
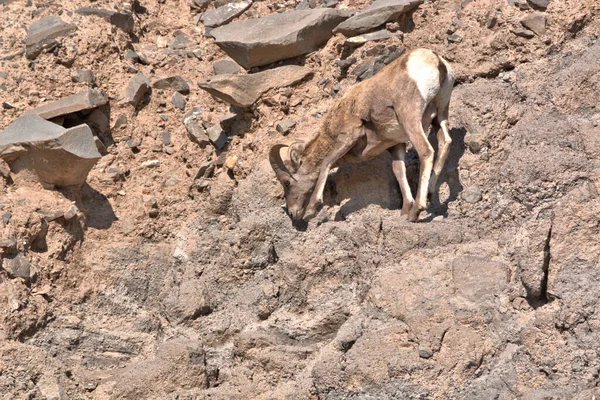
column 295, row 154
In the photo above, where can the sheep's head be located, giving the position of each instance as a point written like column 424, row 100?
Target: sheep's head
column 298, row 182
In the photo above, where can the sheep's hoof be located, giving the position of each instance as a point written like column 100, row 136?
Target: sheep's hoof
column 406, row 207
column 413, row 215
column 312, row 210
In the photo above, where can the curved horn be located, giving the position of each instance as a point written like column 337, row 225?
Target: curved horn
column 277, row 163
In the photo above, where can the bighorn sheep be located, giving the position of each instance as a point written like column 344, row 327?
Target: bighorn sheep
column 395, row 106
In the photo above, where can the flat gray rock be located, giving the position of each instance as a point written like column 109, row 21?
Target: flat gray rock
column 83, row 76
column 42, row 35
column 226, row 67
column 245, row 90
column 224, row 14
column 57, row 156
column 359, row 40
column 86, row 100
column 175, row 82
column 377, row 14
column 122, row 21
column 261, row 41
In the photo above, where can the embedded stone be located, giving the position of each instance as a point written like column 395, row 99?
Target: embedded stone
column 55, row 155
column 245, row 90
column 535, row 22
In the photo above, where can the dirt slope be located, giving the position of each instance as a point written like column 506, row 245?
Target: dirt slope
column 158, row 290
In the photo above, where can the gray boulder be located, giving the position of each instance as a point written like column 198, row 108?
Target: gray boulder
column 86, row 100
column 261, row 41
column 245, row 90
column 224, row 14
column 377, row 14
column 57, row 156
column 42, row 35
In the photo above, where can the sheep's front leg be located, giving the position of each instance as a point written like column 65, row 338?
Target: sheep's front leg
column 343, row 145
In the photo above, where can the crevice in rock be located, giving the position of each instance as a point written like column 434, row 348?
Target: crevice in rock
column 346, row 346
column 543, row 299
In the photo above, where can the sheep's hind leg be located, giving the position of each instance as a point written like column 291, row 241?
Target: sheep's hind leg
column 398, row 153
column 418, row 138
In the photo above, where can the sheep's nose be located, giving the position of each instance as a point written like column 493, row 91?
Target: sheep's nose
column 295, row 213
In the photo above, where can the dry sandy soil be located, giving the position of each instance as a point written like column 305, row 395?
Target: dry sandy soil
column 160, row 290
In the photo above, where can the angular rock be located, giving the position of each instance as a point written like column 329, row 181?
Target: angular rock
column 217, row 136
column 98, row 121
column 136, row 89
column 16, row 266
column 83, row 76
column 174, row 82
column 196, row 131
column 42, row 35
column 370, row 37
column 377, row 14
column 226, row 67
column 284, row 127
column 454, row 38
column 224, row 14
column 86, row 100
column 535, row 22
column 181, row 41
column 200, row 4
column 179, row 101
column 245, row 90
column 206, row 170
column 543, row 4
column 57, row 156
column 122, row 21
column 522, row 32
column 132, row 55
column 261, row 41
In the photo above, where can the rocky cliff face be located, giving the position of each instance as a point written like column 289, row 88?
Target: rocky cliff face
column 173, row 272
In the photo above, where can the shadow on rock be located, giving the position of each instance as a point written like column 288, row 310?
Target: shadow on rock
column 99, row 212
column 362, row 184
column 449, row 174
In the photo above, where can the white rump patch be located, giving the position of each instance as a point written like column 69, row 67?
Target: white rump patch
column 422, row 67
